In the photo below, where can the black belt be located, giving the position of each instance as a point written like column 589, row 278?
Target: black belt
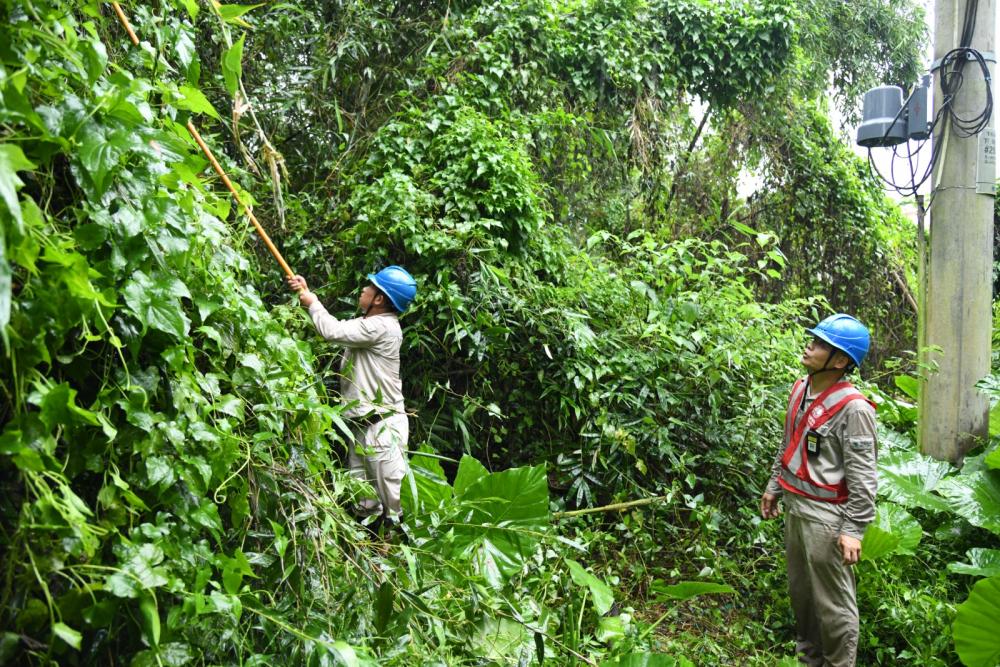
column 370, row 419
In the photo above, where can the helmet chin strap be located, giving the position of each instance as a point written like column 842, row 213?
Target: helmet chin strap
column 825, row 368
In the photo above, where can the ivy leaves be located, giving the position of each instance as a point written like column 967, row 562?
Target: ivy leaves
column 156, row 301
column 12, row 160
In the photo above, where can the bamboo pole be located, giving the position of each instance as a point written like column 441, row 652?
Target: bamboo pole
column 616, row 507
column 125, row 23
column 225, row 179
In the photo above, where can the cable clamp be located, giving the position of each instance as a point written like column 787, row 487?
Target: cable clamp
column 988, row 56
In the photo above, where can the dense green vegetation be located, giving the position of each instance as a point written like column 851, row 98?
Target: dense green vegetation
column 603, row 316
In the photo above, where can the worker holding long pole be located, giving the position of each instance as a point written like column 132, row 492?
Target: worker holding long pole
column 370, row 378
column 370, row 382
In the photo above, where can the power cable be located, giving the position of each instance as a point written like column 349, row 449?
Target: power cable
column 952, row 78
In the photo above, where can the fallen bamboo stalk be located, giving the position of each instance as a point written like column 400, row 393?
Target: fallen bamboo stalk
column 225, row 179
column 615, row 507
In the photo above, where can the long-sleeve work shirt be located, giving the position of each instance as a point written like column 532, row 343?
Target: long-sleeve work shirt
column 369, row 368
column 848, row 448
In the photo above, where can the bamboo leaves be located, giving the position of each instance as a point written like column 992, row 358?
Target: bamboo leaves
column 232, row 65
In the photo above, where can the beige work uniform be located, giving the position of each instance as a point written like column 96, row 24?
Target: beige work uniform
column 821, row 587
column 371, row 386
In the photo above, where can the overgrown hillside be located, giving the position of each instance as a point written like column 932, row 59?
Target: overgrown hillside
column 602, row 317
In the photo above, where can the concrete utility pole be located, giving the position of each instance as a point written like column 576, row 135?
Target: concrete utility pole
column 958, row 316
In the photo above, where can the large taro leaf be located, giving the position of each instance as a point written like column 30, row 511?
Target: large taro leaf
column 975, row 497
column 470, row 471
column 982, row 563
column 425, row 487
column 501, row 519
column 992, row 459
column 908, row 479
column 977, row 640
column 894, row 531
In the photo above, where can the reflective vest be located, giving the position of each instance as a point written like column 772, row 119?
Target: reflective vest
column 795, row 476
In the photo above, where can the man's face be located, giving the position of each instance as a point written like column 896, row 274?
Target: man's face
column 819, row 354
column 367, row 296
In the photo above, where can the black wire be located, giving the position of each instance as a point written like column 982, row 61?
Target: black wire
column 971, row 11
column 952, row 79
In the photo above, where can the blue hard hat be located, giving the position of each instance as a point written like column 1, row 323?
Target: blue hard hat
column 846, row 334
column 397, row 284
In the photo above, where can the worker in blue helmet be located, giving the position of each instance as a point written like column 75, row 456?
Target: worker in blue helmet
column 825, row 474
column 370, row 383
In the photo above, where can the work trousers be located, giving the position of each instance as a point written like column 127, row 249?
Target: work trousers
column 822, row 591
column 378, row 456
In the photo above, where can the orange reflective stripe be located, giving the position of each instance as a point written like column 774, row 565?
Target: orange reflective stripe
column 804, row 488
column 795, row 475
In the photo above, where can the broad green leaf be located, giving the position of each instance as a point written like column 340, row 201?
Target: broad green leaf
column 346, row 653
column 155, row 301
column 99, row 152
column 57, row 405
column 977, row 640
column 171, row 654
column 975, row 497
column 232, row 13
column 207, row 516
column 995, row 420
column 894, row 531
column 992, row 459
column 95, row 57
column 610, row 629
column 140, row 570
column 908, row 479
column 426, row 487
column 232, row 65
column 192, row 8
column 6, row 289
column 159, row 470
column 12, row 160
column 192, row 99
column 10, row 643
column 982, row 563
column 67, row 634
column 501, row 518
column 686, row 590
column 150, row 619
column 502, row 641
column 470, row 471
column 600, row 592
column 909, row 385
column 647, row 660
